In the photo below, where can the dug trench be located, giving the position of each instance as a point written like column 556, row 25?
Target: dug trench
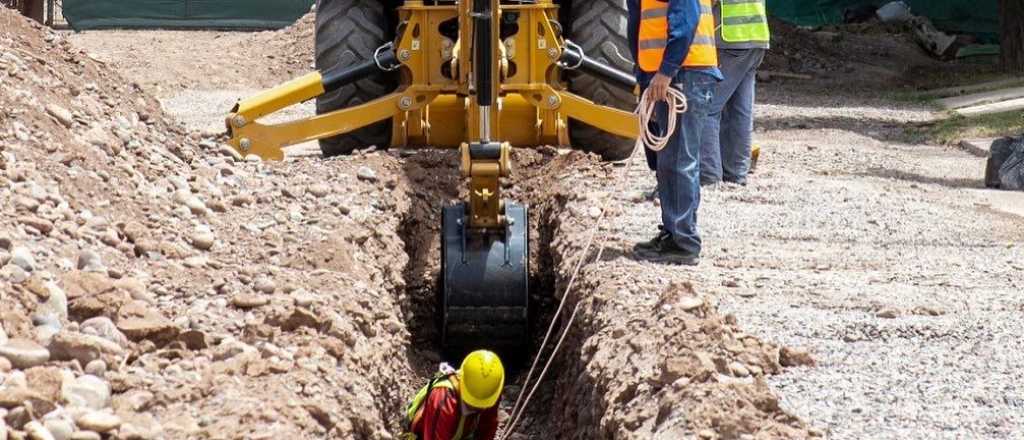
column 226, row 298
column 646, row 356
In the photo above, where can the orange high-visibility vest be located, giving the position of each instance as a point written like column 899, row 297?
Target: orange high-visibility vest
column 654, row 36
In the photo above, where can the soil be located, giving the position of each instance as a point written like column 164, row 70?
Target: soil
column 834, row 291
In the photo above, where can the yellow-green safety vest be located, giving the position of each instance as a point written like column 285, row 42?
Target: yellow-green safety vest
column 414, row 411
column 744, row 21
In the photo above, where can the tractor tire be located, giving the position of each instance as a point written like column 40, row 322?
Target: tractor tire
column 600, row 28
column 348, row 32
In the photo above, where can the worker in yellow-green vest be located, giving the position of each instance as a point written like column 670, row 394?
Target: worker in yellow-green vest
column 458, row 404
column 742, row 39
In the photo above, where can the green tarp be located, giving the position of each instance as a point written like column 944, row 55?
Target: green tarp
column 256, row 14
column 979, row 17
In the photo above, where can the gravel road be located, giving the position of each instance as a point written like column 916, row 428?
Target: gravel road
column 882, row 257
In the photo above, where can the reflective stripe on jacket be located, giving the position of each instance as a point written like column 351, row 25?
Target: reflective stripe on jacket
column 654, row 36
column 743, row 24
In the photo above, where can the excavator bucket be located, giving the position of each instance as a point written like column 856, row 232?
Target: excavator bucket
column 484, row 295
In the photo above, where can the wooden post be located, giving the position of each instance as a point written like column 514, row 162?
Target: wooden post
column 33, row 9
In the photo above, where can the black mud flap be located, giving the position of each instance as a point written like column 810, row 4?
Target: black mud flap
column 484, row 295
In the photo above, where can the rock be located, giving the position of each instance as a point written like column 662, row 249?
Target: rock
column 140, row 427
column 136, row 289
column 265, row 285
column 366, row 174
column 42, row 225
column 242, row 200
column 5, row 257
column 15, row 274
column 203, row 240
column 61, row 429
column 738, row 369
column 888, row 313
column 96, row 368
column 86, row 435
column 67, row 345
column 795, row 357
column 194, row 340
column 18, row 417
column 3, row 428
column 3, row 334
column 139, row 322
column 230, row 348
column 5, row 365
column 103, row 327
column 47, row 381
column 36, row 431
column 24, row 354
column 303, row 298
column 87, row 391
column 98, row 421
column 22, row 258
column 13, row 396
column 56, row 305
column 90, row 261
column 296, row 319
column 133, row 401
column 690, row 303
column 61, row 114
column 196, row 262
column 319, row 190
column 248, row 301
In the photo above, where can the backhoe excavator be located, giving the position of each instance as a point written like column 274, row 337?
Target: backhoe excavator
column 477, row 75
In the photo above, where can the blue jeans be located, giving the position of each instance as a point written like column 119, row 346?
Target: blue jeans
column 725, row 146
column 678, row 165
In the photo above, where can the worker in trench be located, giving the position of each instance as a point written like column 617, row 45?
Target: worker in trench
column 459, row 404
column 673, row 44
column 742, row 39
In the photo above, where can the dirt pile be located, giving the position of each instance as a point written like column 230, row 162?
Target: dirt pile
column 289, row 51
column 155, row 287
column 867, row 53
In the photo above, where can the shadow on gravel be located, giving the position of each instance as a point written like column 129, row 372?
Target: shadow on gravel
column 880, row 129
column 918, row 178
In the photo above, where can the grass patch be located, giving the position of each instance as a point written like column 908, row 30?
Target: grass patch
column 956, row 128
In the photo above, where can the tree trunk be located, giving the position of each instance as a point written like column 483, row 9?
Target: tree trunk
column 1012, row 39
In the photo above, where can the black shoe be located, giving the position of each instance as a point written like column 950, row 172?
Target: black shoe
column 668, row 252
column 740, row 182
column 655, row 242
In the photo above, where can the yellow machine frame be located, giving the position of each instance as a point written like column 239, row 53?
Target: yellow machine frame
column 430, row 109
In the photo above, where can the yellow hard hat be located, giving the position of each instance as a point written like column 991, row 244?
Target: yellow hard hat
column 481, row 379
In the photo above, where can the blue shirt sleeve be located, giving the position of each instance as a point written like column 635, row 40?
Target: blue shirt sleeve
column 683, row 17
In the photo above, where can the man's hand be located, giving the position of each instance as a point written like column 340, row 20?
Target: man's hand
column 659, row 87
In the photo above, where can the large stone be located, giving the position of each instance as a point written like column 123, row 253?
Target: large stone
column 47, row 381
column 67, row 345
column 36, row 431
column 103, row 327
column 90, row 261
column 14, row 396
column 61, row 429
column 24, row 354
column 3, row 428
column 23, row 258
column 87, row 391
column 98, row 421
column 56, row 304
column 249, row 301
column 61, row 114
column 203, row 239
column 139, row 322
